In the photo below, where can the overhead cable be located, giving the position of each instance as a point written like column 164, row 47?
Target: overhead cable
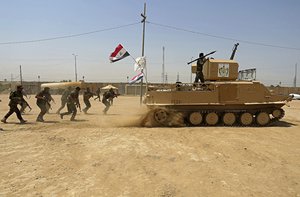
column 222, row 37
column 68, row 36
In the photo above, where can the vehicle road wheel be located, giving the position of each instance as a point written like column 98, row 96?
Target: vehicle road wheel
column 229, row 118
column 278, row 113
column 246, row 119
column 195, row 118
column 212, row 118
column 263, row 118
column 160, row 115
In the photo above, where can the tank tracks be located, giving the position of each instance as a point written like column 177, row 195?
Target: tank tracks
column 167, row 117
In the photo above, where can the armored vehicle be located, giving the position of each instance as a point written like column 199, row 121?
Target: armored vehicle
column 221, row 100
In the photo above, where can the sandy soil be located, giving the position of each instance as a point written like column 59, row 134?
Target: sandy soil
column 111, row 155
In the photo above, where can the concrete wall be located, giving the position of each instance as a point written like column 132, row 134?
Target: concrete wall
column 33, row 87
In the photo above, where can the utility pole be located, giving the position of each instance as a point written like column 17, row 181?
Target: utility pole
column 163, row 67
column 177, row 80
column 11, row 80
column 166, row 80
column 143, row 49
column 191, row 71
column 295, row 78
column 21, row 80
column 39, row 83
column 75, row 66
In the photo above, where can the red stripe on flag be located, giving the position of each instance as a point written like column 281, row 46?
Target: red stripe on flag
column 117, row 50
column 118, row 54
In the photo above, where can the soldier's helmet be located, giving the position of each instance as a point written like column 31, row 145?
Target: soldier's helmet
column 19, row 87
column 77, row 88
column 47, row 88
column 201, row 54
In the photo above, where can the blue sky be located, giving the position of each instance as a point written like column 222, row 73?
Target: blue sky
column 272, row 22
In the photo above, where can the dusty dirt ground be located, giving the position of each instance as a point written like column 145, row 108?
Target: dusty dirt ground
column 111, row 155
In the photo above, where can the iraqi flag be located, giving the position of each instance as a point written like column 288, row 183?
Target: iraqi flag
column 118, row 54
column 136, row 78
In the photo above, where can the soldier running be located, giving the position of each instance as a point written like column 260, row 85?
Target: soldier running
column 43, row 98
column 86, row 96
column 106, row 99
column 72, row 102
column 98, row 91
column 64, row 98
column 111, row 99
column 16, row 98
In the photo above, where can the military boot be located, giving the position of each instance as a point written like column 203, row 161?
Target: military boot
column 3, row 120
column 39, row 120
column 73, row 118
column 23, row 121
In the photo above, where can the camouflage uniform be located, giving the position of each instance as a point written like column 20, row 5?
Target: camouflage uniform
column 16, row 98
column 64, row 98
column 86, row 96
column 106, row 99
column 72, row 102
column 98, row 91
column 43, row 99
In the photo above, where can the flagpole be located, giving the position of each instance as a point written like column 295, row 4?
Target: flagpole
column 133, row 58
column 143, row 50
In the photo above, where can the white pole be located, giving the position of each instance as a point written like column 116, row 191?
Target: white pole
column 163, row 66
column 75, row 67
column 296, row 75
column 21, row 79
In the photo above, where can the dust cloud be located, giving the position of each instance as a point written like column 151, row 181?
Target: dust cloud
column 112, row 155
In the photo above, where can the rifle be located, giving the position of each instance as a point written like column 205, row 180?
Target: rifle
column 27, row 105
column 201, row 57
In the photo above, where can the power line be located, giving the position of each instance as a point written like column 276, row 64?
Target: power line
column 68, row 36
column 222, row 37
column 155, row 24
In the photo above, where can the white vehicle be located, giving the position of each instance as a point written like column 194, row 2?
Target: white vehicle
column 295, row 96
